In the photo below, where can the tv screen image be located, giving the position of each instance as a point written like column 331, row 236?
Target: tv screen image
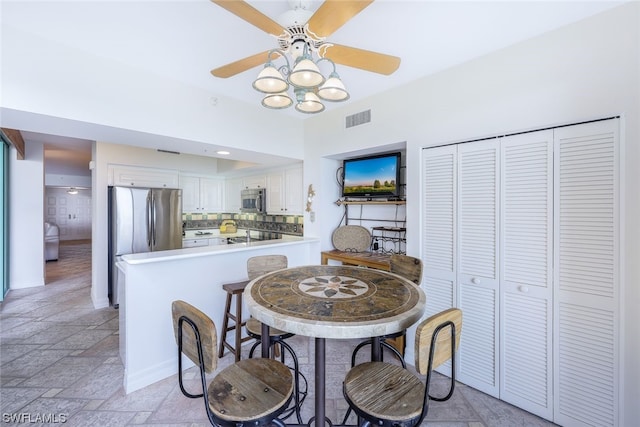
column 372, row 176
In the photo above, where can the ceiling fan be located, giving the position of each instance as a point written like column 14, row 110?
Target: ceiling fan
column 307, row 32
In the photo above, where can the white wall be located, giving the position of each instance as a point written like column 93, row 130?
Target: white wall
column 584, row 71
column 43, row 77
column 26, row 236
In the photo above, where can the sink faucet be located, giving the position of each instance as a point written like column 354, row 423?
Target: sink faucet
column 248, row 236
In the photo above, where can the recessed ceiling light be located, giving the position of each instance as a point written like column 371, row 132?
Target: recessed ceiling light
column 223, row 153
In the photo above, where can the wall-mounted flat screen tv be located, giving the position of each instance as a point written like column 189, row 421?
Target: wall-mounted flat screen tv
column 371, row 176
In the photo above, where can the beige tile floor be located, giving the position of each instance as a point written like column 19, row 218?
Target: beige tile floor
column 59, row 364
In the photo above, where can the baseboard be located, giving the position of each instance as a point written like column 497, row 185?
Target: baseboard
column 150, row 375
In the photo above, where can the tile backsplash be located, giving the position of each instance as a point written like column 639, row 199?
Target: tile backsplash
column 288, row 224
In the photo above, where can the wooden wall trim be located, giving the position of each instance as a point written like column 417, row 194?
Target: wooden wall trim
column 15, row 138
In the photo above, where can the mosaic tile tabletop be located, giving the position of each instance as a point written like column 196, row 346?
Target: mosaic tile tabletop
column 335, row 301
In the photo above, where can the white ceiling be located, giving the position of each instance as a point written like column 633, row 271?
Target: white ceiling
column 184, row 40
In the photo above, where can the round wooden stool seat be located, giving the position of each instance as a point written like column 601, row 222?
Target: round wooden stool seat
column 280, row 347
column 384, row 391
column 250, row 391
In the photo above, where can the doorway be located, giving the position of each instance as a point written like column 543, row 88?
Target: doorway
column 70, row 210
column 73, row 267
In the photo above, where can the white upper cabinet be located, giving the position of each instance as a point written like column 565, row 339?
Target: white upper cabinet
column 129, row 176
column 202, row 194
column 233, row 187
column 254, row 181
column 276, row 193
column 294, row 191
column 190, row 186
column 284, row 192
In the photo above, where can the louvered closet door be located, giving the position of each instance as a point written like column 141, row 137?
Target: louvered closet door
column 439, row 234
column 526, row 275
column 586, row 277
column 477, row 261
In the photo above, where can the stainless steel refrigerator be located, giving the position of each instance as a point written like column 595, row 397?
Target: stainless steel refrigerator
column 141, row 220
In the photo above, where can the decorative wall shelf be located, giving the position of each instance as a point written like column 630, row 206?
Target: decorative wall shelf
column 371, row 202
column 390, row 240
column 385, row 240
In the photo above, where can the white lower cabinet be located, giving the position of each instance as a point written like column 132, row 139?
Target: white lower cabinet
column 217, row 241
column 213, row 241
column 194, row 243
column 522, row 233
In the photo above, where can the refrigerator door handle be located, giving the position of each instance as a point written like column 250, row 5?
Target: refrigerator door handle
column 149, row 220
column 153, row 220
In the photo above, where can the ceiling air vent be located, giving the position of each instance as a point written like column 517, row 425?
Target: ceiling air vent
column 358, row 119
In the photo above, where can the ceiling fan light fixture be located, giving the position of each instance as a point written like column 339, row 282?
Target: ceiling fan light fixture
column 302, row 39
column 72, row 190
column 309, row 103
column 306, row 74
column 277, row 101
column 270, row 80
column 333, row 89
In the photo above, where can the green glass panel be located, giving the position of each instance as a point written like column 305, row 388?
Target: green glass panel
column 4, row 218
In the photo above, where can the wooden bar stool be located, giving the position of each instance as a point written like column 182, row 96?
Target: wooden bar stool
column 233, row 289
column 411, row 269
column 252, row 392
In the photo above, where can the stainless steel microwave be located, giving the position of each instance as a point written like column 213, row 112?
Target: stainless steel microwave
column 253, row 200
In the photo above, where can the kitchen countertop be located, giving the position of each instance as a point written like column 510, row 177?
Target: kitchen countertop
column 211, row 233
column 174, row 254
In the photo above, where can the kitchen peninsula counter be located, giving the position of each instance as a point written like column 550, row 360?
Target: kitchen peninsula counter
column 153, row 280
column 206, row 250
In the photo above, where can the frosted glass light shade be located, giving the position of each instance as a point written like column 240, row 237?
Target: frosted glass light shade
column 277, row 100
column 310, row 104
column 306, row 74
column 270, row 81
column 333, row 90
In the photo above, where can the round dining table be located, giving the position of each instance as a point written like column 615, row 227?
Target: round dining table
column 336, row 302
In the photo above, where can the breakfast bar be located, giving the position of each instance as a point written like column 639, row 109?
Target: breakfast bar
column 153, row 280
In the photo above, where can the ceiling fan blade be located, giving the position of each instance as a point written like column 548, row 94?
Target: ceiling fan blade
column 359, row 58
column 242, row 65
column 252, row 15
column 333, row 14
